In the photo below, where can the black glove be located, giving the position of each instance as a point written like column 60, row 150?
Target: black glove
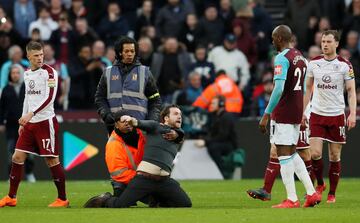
column 109, row 119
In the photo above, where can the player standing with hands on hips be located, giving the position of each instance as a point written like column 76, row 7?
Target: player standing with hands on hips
column 38, row 131
column 286, row 108
column 325, row 80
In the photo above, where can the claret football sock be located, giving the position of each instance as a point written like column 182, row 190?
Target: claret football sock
column 15, row 178
column 334, row 176
column 59, row 179
column 271, row 172
column 318, row 167
column 310, row 170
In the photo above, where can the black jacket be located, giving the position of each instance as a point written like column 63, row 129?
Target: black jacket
column 11, row 106
column 102, row 105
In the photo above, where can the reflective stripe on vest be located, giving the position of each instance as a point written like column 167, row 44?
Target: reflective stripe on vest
column 131, row 158
column 134, row 101
column 118, row 172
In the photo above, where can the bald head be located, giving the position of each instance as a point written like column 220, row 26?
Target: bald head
column 284, row 32
column 282, row 37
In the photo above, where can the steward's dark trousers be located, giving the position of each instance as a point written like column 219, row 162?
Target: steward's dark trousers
column 166, row 191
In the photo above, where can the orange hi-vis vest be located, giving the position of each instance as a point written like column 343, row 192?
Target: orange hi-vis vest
column 225, row 86
column 121, row 159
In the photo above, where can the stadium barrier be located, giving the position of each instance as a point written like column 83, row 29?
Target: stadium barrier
column 84, row 155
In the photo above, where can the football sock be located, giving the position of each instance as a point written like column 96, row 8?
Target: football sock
column 302, row 174
column 318, row 167
column 271, row 172
column 334, row 175
column 287, row 171
column 15, row 178
column 309, row 168
column 59, row 179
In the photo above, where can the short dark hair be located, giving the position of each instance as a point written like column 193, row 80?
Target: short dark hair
column 333, row 32
column 33, row 45
column 119, row 44
column 166, row 111
column 117, row 115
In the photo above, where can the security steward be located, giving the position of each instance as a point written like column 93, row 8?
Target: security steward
column 123, row 153
column 127, row 85
column 153, row 173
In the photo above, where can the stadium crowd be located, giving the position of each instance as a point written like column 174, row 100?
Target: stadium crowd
column 185, row 42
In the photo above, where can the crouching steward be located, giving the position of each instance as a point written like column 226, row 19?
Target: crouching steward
column 153, row 173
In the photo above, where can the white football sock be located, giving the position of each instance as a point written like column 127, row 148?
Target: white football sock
column 302, row 174
column 287, row 170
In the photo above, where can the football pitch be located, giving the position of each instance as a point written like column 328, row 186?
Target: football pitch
column 213, row 201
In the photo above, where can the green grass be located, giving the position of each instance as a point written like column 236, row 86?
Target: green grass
column 213, row 201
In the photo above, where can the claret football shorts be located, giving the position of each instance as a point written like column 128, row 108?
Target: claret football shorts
column 329, row 128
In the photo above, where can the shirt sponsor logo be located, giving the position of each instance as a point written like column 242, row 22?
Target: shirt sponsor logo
column 327, row 86
column 278, row 69
column 34, row 92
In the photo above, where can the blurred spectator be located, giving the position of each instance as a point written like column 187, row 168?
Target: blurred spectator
column 56, row 9
column 205, row 68
column 146, row 17
column 260, row 101
column 62, row 96
column 113, row 25
column 227, row 57
column 211, row 27
column 11, row 104
column 314, row 51
column 221, row 138
column 8, row 37
column 44, row 23
column 63, row 40
column 301, row 15
column 323, row 25
column 317, row 38
column 95, row 11
column 227, row 14
column 150, row 31
column 225, row 86
column 245, row 42
column 110, row 54
column 98, row 53
column 353, row 54
column 192, row 90
column 15, row 54
column 129, row 9
column 170, row 18
column 84, row 34
column 35, row 35
column 24, row 14
column 146, row 50
column 83, row 72
column 170, row 65
column 261, row 27
column 77, row 10
column 189, row 33
column 334, row 10
column 352, row 20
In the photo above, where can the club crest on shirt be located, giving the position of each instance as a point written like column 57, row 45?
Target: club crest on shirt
column 31, row 84
column 114, row 77
column 134, row 77
column 51, row 83
column 278, row 69
column 336, row 67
